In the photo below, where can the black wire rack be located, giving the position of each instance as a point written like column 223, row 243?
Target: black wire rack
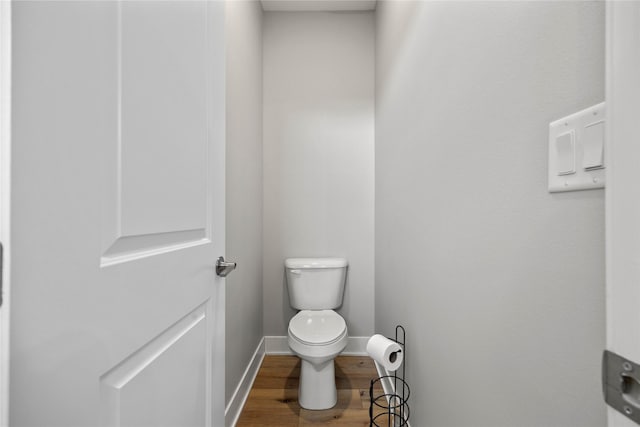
column 391, row 409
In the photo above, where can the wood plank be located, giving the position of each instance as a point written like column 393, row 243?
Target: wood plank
column 271, row 407
column 273, row 400
column 348, row 410
column 346, row 418
column 278, row 372
column 354, row 372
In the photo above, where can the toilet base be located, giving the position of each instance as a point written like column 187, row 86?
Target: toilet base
column 317, row 389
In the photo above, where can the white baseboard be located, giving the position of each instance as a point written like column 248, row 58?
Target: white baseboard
column 276, row 345
column 234, row 407
column 387, row 383
column 356, row 346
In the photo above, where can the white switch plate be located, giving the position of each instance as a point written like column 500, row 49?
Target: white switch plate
column 580, row 125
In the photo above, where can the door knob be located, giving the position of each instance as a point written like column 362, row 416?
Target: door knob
column 223, row 268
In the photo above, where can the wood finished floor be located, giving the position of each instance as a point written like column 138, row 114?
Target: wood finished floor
column 273, row 399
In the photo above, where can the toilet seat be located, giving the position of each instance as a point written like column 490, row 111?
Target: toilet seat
column 317, row 327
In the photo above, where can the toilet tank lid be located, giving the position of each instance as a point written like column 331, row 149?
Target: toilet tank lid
column 301, row 263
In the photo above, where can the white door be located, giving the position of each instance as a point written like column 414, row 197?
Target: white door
column 623, row 192
column 117, row 315
column 5, row 163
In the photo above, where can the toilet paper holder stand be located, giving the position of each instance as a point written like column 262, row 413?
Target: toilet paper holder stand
column 391, row 408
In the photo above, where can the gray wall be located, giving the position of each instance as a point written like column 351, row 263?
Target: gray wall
column 499, row 283
column 319, row 155
column 244, row 186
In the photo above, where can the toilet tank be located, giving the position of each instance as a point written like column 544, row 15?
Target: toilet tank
column 315, row 283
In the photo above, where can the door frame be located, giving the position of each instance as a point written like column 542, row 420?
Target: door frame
column 623, row 190
column 5, row 198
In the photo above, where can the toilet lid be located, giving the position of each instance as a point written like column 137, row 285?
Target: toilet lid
column 317, row 326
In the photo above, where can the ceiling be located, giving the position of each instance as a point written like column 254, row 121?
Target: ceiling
column 317, row 5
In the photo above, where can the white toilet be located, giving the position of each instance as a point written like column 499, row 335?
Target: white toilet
column 317, row 334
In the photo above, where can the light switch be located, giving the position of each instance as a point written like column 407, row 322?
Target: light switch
column 576, row 150
column 593, row 146
column 566, row 153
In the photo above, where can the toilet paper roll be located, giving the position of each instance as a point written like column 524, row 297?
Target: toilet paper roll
column 386, row 352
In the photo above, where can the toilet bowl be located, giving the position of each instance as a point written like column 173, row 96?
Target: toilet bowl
column 317, row 337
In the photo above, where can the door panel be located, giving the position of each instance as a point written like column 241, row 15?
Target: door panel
column 159, row 167
column 118, row 146
column 163, row 117
column 146, row 389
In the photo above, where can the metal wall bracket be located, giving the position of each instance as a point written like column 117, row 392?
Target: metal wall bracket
column 621, row 384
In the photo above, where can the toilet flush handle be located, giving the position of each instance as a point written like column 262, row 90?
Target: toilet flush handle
column 295, row 271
